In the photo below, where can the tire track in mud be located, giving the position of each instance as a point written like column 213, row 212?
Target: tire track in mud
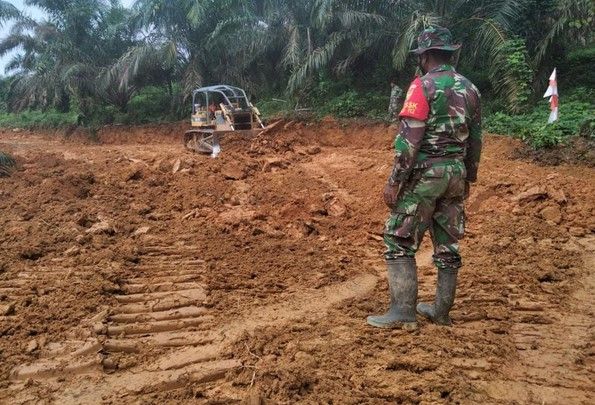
column 210, row 361
column 161, row 303
column 161, row 308
column 158, row 306
column 556, row 357
column 77, row 354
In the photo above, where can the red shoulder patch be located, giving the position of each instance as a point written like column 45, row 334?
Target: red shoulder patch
column 416, row 105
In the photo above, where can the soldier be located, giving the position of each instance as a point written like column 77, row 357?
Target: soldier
column 437, row 155
column 396, row 101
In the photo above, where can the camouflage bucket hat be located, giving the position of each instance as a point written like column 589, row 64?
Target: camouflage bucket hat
column 435, row 38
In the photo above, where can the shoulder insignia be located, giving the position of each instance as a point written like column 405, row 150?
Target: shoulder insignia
column 416, row 105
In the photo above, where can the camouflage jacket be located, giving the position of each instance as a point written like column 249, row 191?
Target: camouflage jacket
column 396, row 101
column 440, row 120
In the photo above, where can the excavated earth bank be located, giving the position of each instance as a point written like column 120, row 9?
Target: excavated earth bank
column 134, row 271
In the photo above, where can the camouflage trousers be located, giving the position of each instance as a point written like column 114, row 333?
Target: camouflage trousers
column 431, row 199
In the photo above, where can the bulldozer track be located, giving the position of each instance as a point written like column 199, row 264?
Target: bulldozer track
column 165, row 295
column 161, row 312
column 202, row 356
column 156, row 308
column 555, row 357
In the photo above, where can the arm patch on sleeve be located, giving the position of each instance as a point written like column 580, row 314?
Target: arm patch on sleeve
column 416, row 105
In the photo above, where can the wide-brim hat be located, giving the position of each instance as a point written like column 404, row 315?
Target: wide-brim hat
column 435, row 38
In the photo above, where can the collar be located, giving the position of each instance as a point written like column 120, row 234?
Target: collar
column 442, row 68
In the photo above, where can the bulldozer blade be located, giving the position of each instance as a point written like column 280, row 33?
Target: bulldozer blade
column 270, row 127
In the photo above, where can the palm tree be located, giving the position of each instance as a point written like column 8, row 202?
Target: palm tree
column 189, row 41
column 61, row 56
column 36, row 82
column 357, row 28
column 572, row 21
column 561, row 26
column 93, row 52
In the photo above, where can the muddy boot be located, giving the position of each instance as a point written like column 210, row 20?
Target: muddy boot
column 445, row 297
column 402, row 282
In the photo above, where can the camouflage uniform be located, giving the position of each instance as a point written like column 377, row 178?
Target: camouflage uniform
column 396, row 103
column 437, row 151
column 433, row 160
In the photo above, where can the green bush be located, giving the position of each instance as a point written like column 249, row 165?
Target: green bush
column 513, row 67
column 37, row 119
column 576, row 118
column 151, row 104
column 577, row 68
column 347, row 105
column 353, row 104
column 273, row 107
column 347, row 97
column 328, row 100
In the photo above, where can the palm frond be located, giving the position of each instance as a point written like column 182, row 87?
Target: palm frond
column 319, row 59
column 505, row 13
column 23, row 24
column 191, row 77
column 141, row 59
column 292, row 53
column 322, row 12
column 197, row 12
column 8, row 12
column 14, row 41
column 567, row 11
column 405, row 42
column 350, row 18
column 509, row 70
column 14, row 63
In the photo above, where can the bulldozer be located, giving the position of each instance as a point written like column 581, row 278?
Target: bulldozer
column 217, row 111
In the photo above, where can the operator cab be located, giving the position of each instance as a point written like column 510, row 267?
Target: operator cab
column 217, row 105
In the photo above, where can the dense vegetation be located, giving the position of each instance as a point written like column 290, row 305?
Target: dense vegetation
column 94, row 61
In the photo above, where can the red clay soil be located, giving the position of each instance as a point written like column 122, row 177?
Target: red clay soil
column 132, row 270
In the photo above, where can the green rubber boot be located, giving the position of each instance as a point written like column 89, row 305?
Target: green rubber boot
column 445, row 298
column 402, row 282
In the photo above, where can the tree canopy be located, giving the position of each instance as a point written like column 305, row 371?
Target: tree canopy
column 96, row 52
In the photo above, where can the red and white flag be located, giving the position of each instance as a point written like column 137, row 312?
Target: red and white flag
column 552, row 93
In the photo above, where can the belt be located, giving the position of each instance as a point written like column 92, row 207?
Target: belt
column 432, row 161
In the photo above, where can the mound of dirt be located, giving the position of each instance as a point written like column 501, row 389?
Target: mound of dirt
column 578, row 151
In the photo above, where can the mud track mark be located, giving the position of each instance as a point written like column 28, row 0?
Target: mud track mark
column 555, row 364
column 207, row 361
column 316, row 168
column 157, row 306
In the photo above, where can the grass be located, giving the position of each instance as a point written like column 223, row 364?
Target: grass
column 37, row 120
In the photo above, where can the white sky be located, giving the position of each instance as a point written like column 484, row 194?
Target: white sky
column 33, row 12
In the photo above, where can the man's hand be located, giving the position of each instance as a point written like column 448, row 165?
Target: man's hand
column 391, row 193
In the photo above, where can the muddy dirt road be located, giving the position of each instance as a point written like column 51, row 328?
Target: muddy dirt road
column 132, row 271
